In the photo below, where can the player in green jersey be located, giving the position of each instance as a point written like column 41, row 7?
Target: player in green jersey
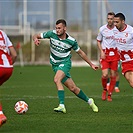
column 61, row 44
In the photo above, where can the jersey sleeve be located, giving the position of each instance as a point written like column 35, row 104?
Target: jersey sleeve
column 76, row 46
column 8, row 42
column 46, row 34
column 99, row 36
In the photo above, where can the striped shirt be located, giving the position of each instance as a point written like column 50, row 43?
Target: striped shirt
column 60, row 50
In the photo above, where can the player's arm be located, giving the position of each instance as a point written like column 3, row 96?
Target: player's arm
column 36, row 39
column 11, row 48
column 102, row 54
column 85, row 58
column 13, row 54
column 99, row 40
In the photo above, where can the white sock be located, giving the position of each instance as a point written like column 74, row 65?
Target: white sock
column 62, row 105
column 1, row 112
column 108, row 84
column 116, row 87
column 90, row 101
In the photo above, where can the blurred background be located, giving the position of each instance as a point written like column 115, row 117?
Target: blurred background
column 21, row 19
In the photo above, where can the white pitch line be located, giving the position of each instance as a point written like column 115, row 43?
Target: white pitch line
column 15, row 97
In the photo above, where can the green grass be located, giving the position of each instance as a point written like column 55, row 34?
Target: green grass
column 34, row 84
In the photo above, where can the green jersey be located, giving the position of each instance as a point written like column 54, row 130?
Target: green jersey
column 60, row 49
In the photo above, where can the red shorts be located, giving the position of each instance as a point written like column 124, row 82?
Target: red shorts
column 127, row 66
column 113, row 65
column 5, row 74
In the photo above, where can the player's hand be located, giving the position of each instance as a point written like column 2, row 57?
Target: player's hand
column 94, row 67
column 102, row 55
column 37, row 41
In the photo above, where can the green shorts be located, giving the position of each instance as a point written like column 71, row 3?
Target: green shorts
column 65, row 67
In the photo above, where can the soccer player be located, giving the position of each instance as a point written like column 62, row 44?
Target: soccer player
column 61, row 44
column 124, row 42
column 109, row 56
column 7, row 58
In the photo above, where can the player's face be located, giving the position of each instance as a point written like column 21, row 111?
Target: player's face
column 118, row 23
column 60, row 29
column 110, row 20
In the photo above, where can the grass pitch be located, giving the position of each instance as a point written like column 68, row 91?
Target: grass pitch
column 34, row 84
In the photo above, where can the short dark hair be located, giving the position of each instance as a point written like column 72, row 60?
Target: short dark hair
column 121, row 16
column 111, row 13
column 61, row 21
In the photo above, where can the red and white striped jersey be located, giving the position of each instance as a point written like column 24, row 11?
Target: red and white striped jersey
column 5, row 43
column 124, row 43
column 106, row 37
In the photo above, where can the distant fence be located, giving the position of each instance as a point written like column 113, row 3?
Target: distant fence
column 30, row 54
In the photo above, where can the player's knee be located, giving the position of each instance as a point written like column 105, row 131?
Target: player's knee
column 105, row 76
column 56, row 80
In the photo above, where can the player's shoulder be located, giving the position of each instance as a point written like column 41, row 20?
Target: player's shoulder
column 115, row 29
column 2, row 32
column 49, row 33
column 70, row 37
column 103, row 27
column 129, row 27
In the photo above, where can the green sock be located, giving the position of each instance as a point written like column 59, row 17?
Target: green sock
column 61, row 95
column 117, row 84
column 83, row 96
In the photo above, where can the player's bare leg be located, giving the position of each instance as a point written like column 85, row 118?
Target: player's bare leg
column 79, row 93
column 129, row 77
column 57, row 80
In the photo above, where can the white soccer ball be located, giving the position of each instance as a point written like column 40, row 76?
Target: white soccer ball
column 21, row 107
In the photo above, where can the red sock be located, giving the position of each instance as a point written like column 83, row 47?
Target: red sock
column 112, row 85
column 104, row 82
column 0, row 107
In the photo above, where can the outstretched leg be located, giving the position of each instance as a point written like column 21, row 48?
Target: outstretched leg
column 80, row 94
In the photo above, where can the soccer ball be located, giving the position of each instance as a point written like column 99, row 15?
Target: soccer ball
column 21, row 107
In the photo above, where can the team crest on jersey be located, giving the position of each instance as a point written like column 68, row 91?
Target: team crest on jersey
column 61, row 65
